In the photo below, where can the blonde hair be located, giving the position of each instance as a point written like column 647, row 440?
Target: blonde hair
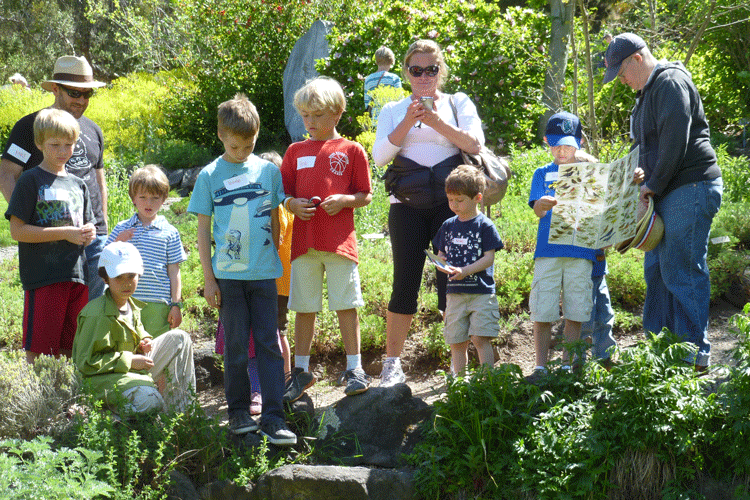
column 426, row 47
column 150, row 179
column 320, row 94
column 466, row 180
column 384, row 55
column 238, row 116
column 53, row 122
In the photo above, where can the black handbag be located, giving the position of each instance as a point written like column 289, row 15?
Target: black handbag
column 416, row 185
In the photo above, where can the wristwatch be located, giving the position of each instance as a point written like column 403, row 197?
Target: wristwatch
column 178, row 304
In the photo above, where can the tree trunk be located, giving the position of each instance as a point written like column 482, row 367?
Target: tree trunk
column 561, row 14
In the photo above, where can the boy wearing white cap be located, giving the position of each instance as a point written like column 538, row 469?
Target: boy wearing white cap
column 116, row 356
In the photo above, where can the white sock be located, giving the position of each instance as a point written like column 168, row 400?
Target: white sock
column 302, row 362
column 395, row 360
column 353, row 361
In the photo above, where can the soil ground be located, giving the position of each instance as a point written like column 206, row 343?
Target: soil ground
column 424, row 374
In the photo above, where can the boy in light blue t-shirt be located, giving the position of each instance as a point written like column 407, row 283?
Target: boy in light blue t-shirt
column 242, row 193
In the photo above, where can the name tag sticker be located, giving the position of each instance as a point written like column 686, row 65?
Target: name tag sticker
column 52, row 194
column 236, row 182
column 17, row 151
column 460, row 241
column 551, row 177
column 305, row 162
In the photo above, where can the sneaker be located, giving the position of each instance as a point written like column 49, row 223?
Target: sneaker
column 357, row 381
column 278, row 433
column 392, row 373
column 256, row 403
column 242, row 423
column 296, row 386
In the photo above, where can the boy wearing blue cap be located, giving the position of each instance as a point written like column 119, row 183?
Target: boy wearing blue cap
column 557, row 268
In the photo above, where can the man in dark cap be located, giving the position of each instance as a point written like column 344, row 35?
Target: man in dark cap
column 683, row 179
column 73, row 85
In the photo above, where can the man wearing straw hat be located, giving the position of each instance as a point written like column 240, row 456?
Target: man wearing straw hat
column 73, row 85
column 682, row 177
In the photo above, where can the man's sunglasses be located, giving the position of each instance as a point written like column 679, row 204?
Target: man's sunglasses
column 75, row 94
column 416, row 71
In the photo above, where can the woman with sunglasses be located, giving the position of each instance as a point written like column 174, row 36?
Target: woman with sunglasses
column 420, row 133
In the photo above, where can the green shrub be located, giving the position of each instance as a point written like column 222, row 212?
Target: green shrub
column 36, row 396
column 627, row 288
column 11, row 304
column 513, row 274
column 16, row 103
column 733, row 220
column 496, row 57
column 735, row 173
column 31, row 470
column 725, row 270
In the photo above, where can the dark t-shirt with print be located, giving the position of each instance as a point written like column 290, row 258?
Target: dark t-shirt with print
column 87, row 157
column 465, row 242
column 44, row 199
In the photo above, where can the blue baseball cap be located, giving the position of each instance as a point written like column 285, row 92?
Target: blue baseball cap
column 564, row 129
column 620, row 48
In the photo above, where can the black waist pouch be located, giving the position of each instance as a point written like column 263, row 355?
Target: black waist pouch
column 417, row 185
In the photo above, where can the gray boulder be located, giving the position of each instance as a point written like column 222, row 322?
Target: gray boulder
column 373, row 428
column 181, row 488
column 208, row 373
column 300, row 67
column 328, row 482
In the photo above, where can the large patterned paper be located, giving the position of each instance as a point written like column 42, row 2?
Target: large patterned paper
column 596, row 203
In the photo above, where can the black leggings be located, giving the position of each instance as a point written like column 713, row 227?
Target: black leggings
column 411, row 231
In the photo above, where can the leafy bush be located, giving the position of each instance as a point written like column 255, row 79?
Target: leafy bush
column 240, row 46
column 735, row 173
column 16, row 103
column 633, row 432
column 11, row 304
column 733, row 220
column 627, row 288
column 36, row 396
column 34, row 470
column 513, row 274
column 495, row 57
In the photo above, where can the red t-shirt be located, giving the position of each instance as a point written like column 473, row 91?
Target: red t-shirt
column 322, row 168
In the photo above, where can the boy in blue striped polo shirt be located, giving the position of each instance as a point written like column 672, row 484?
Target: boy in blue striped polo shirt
column 160, row 246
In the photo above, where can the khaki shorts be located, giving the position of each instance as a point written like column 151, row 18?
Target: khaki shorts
column 573, row 277
column 470, row 315
column 306, row 287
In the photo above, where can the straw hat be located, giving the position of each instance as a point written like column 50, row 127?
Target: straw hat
column 73, row 71
column 649, row 231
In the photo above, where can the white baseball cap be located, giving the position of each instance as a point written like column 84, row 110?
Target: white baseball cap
column 120, row 257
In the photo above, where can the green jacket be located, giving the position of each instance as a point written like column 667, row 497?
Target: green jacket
column 104, row 346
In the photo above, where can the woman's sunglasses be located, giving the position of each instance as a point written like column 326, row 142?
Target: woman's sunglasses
column 416, row 71
column 75, row 94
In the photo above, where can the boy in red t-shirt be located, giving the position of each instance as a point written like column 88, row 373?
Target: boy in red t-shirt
column 325, row 178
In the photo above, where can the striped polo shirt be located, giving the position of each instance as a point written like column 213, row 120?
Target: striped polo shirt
column 159, row 244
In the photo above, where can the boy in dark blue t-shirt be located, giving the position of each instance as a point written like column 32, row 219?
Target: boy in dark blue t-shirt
column 467, row 243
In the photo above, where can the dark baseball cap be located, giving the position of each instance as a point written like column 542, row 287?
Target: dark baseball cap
column 563, row 129
column 620, row 48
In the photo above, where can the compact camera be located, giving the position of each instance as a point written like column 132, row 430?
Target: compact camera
column 427, row 102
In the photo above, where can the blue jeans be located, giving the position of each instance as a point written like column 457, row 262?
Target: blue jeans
column 599, row 327
column 678, row 288
column 93, row 280
column 249, row 307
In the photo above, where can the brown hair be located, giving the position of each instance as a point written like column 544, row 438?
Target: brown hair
column 426, row 47
column 467, row 180
column 384, row 55
column 150, row 179
column 238, row 116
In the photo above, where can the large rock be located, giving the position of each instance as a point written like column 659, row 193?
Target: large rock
column 373, row 428
column 307, row 482
column 300, row 67
column 208, row 373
